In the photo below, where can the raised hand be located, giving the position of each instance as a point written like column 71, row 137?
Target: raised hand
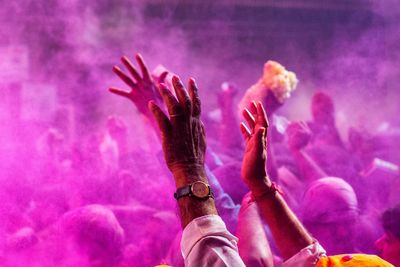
column 255, row 134
column 182, row 132
column 142, row 86
column 288, row 232
column 298, row 134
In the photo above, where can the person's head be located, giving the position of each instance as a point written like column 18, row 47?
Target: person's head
column 322, row 108
column 389, row 243
column 352, row 260
column 273, row 88
column 330, row 211
column 94, row 234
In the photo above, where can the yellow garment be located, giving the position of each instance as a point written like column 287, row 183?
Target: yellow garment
column 349, row 260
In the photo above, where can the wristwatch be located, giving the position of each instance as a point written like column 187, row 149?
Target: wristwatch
column 198, row 189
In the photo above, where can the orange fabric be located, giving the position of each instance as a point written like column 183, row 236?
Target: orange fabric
column 350, row 260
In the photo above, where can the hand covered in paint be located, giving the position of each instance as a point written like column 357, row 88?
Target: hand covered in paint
column 255, row 135
column 298, row 134
column 142, row 87
column 182, row 132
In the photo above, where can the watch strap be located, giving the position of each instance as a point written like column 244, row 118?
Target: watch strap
column 182, row 191
column 187, row 191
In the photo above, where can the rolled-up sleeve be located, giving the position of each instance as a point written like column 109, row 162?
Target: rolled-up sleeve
column 207, row 242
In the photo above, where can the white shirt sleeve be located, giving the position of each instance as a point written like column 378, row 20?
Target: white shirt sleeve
column 307, row 257
column 207, row 242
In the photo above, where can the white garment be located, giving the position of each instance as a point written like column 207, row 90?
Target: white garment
column 207, row 242
column 307, row 257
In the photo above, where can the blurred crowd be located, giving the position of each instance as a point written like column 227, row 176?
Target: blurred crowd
column 99, row 200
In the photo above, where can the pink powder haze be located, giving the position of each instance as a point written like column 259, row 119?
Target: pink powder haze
column 73, row 156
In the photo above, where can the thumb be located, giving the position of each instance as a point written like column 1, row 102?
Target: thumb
column 260, row 139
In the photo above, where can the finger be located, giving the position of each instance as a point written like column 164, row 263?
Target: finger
column 119, row 92
column 173, row 106
column 124, row 77
column 181, row 94
column 260, row 140
column 304, row 126
column 262, row 118
column 132, row 70
column 143, row 67
column 162, row 120
column 194, row 96
column 245, row 131
column 249, row 119
column 253, row 108
column 162, row 77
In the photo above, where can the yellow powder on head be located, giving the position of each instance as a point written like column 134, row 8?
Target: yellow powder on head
column 279, row 80
column 353, row 260
column 276, row 79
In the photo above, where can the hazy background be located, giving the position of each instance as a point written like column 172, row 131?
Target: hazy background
column 56, row 59
column 61, row 52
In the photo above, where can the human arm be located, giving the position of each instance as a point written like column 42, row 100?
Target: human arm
column 253, row 244
column 228, row 135
column 298, row 137
column 184, row 144
column 143, row 87
column 288, row 232
column 205, row 238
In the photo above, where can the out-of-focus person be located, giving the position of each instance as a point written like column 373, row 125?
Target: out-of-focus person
column 330, row 212
column 323, row 124
column 297, row 246
column 389, row 243
column 92, row 236
column 273, row 89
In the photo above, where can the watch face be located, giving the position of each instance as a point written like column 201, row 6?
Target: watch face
column 200, row 189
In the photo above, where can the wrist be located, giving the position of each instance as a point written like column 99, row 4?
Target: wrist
column 259, row 186
column 185, row 174
column 266, row 193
